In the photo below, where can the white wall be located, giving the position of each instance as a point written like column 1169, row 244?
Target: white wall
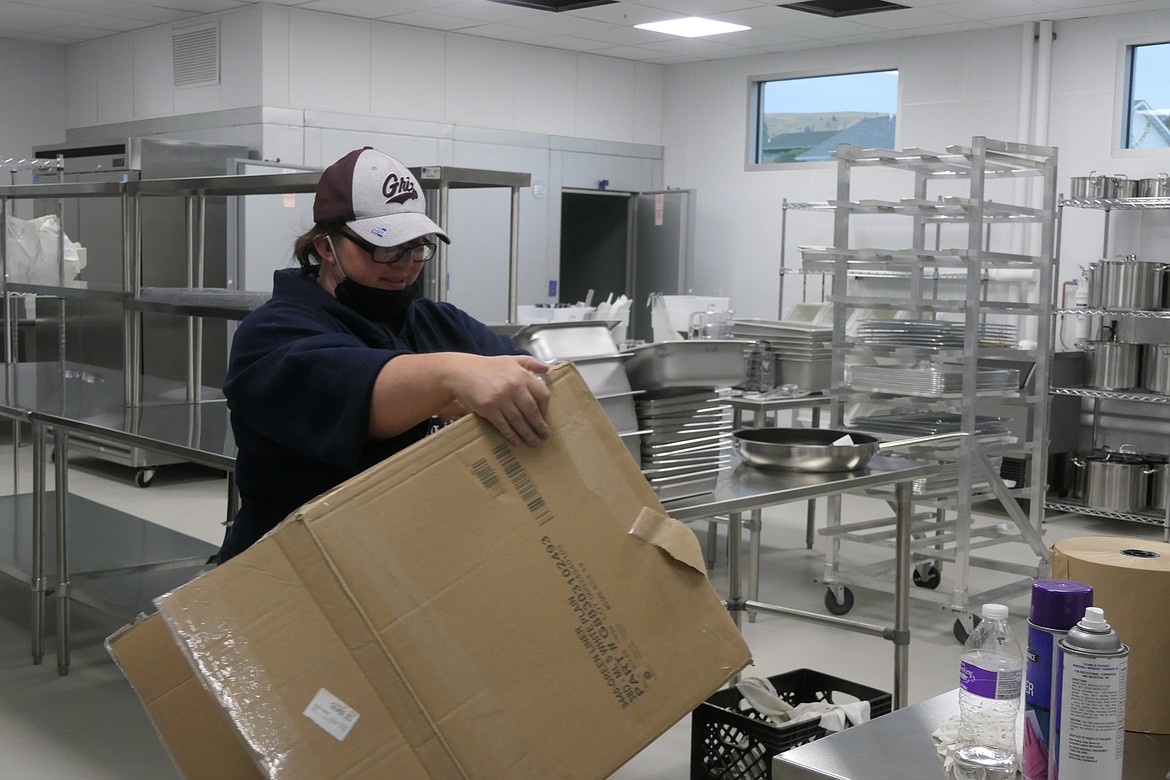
column 1087, row 92
column 322, row 84
column 953, row 87
column 33, row 94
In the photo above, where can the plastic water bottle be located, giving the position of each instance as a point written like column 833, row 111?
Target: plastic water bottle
column 991, row 676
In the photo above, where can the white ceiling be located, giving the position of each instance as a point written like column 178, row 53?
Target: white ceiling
column 605, row 30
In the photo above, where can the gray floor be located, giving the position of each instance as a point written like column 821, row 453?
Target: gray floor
column 90, row 725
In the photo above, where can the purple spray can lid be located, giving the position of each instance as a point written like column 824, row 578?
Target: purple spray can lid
column 1059, row 604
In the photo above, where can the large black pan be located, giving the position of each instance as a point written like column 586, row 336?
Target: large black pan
column 813, row 449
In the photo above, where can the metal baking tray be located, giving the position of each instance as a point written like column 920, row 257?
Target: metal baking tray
column 694, row 363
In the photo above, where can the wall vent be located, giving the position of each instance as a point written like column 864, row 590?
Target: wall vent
column 195, row 56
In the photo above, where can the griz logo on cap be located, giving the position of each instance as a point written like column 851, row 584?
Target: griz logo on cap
column 399, row 190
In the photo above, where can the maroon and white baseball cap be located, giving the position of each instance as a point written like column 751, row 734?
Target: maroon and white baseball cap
column 376, row 196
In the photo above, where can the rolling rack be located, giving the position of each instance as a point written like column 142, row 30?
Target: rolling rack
column 967, row 258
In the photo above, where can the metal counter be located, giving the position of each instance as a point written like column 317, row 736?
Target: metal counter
column 88, row 401
column 898, row 746
column 195, row 432
column 746, row 489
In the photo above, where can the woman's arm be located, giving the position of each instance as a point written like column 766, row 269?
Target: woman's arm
column 504, row 390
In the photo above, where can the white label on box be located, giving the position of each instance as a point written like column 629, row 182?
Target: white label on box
column 331, row 714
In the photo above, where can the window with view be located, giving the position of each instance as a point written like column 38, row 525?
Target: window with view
column 1147, row 113
column 805, row 119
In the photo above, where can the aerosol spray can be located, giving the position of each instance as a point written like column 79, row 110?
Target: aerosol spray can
column 1090, row 706
column 1056, row 607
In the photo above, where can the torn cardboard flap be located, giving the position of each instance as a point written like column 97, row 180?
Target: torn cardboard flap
column 671, row 536
column 470, row 609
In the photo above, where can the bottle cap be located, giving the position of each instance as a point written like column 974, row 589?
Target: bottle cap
column 1059, row 604
column 995, row 611
column 1094, row 620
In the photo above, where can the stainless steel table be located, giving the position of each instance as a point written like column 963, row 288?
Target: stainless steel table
column 765, row 413
column 763, row 407
column 746, row 489
column 73, row 397
column 194, row 432
column 898, row 746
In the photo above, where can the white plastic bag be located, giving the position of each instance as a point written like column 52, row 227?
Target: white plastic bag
column 32, row 251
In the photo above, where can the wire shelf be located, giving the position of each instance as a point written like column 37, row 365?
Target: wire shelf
column 1112, row 395
column 1117, row 203
column 1078, row 508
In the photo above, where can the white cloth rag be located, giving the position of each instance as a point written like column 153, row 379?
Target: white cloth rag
column 945, row 737
column 762, row 696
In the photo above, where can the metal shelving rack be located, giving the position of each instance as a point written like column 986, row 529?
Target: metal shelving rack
column 1154, row 400
column 196, row 301
column 966, row 268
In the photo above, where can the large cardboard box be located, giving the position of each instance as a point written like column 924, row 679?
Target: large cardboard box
column 466, row 609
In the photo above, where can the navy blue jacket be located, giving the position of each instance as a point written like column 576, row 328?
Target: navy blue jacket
column 298, row 384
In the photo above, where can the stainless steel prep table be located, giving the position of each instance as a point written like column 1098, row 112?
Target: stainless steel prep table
column 898, row 746
column 761, row 408
column 195, row 432
column 112, row 542
column 746, row 489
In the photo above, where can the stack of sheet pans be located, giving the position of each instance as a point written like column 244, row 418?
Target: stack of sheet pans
column 928, row 381
column 688, row 440
column 801, row 353
column 932, row 334
column 926, row 424
column 990, row 432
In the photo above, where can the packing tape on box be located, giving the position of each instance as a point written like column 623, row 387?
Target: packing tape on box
column 1131, row 582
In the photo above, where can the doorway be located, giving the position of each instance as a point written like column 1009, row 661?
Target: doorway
column 595, row 245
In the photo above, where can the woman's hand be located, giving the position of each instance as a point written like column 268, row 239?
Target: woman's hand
column 506, row 391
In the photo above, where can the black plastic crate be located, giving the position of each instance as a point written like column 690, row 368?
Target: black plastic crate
column 732, row 741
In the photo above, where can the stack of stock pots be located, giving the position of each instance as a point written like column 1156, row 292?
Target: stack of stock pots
column 1126, row 284
column 1124, row 481
column 1096, row 186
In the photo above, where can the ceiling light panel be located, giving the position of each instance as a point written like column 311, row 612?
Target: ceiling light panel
column 691, row 27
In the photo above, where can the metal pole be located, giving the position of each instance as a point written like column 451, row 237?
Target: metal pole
column 38, row 543
column 902, row 596
column 514, row 257
column 62, row 595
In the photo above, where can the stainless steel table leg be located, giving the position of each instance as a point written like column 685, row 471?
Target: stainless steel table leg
column 38, row 542
column 61, row 593
column 755, row 527
column 810, row 524
column 734, row 585
column 811, row 516
column 902, row 596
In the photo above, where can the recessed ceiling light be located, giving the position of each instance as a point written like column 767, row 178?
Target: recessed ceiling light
column 692, row 27
column 838, row 8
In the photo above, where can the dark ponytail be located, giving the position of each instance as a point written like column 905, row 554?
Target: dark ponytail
column 304, row 250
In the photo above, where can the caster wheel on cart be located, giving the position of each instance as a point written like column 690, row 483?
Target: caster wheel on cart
column 143, row 477
column 927, row 577
column 964, row 625
column 839, row 607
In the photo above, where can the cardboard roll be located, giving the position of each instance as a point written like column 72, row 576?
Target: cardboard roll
column 1131, row 582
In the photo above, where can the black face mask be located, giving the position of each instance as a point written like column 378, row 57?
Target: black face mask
column 374, row 303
